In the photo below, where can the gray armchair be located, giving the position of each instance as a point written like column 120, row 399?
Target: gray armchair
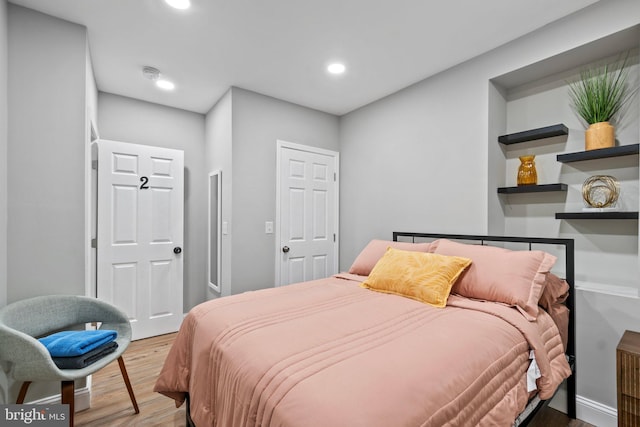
column 25, row 359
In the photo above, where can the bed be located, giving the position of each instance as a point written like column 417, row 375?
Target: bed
column 370, row 348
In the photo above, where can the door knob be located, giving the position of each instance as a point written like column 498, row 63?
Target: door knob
column 177, row 250
column 285, row 249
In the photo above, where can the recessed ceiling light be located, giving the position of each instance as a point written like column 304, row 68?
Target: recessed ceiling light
column 165, row 84
column 336, row 68
column 179, row 4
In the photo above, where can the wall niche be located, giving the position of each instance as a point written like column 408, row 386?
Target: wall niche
column 536, row 96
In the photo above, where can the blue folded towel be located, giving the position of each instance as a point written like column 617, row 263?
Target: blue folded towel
column 76, row 343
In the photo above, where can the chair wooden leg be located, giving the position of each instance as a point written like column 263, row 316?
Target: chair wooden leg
column 68, row 398
column 23, row 392
column 128, row 384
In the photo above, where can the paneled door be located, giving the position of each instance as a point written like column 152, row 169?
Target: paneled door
column 140, row 234
column 307, row 225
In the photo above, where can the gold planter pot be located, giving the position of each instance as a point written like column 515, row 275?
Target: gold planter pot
column 599, row 135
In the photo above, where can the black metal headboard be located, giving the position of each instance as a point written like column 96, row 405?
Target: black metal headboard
column 568, row 245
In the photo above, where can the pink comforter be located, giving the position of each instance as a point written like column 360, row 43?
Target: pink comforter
column 330, row 353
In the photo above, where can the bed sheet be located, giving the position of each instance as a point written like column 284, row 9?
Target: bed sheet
column 328, row 352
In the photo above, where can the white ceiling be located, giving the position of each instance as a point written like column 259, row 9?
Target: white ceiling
column 281, row 47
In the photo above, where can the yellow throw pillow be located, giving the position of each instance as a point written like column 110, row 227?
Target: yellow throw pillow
column 422, row 276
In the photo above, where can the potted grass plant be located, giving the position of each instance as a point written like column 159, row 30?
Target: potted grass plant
column 598, row 97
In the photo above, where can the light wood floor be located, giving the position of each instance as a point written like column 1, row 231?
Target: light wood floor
column 111, row 406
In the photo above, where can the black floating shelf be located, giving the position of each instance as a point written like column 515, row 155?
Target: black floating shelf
column 597, row 215
column 532, row 188
column 602, row 153
column 533, row 134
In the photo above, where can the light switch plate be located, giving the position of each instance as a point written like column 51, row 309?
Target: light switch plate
column 268, row 227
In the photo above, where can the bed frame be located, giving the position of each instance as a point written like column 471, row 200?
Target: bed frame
column 568, row 245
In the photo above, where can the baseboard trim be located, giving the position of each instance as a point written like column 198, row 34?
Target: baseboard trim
column 587, row 410
column 596, row 413
column 82, row 400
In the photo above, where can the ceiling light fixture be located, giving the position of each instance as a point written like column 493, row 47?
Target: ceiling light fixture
column 336, row 68
column 179, row 4
column 165, row 84
column 153, row 74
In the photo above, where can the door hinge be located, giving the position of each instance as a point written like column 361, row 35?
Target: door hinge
column 94, row 164
column 334, row 177
column 334, row 237
column 94, row 243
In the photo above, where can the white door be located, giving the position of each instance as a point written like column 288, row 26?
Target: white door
column 307, row 235
column 140, row 234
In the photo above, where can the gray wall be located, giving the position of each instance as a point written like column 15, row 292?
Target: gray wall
column 4, row 382
column 606, row 251
column 242, row 133
column 3, row 152
column 139, row 122
column 258, row 122
column 420, row 159
column 415, row 160
column 431, row 138
column 46, row 171
column 219, row 123
column 46, row 163
column 598, row 243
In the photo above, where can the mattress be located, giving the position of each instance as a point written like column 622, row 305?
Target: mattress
column 330, row 353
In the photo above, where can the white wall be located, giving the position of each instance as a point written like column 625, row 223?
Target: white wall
column 3, row 151
column 139, row 122
column 258, row 123
column 46, row 167
column 419, row 160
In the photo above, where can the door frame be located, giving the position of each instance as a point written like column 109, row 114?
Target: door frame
column 91, row 204
column 285, row 145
